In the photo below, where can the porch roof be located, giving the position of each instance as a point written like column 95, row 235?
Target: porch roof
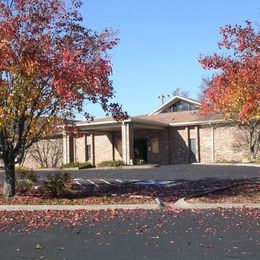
column 186, row 118
column 109, row 124
column 158, row 121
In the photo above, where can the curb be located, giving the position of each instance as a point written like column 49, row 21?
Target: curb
column 230, row 164
column 182, row 204
column 75, row 169
column 129, row 167
column 126, row 167
column 78, row 207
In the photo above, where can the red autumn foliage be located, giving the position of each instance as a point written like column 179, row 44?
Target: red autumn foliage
column 235, row 88
column 49, row 66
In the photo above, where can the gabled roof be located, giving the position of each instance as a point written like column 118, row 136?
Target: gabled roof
column 156, row 119
column 172, row 101
column 183, row 118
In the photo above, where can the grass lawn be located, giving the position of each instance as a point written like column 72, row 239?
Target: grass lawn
column 247, row 193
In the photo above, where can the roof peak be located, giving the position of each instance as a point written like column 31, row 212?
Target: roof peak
column 172, row 101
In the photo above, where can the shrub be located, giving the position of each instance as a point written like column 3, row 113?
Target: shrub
column 25, row 179
column 24, row 173
column 139, row 161
column 56, row 185
column 111, row 163
column 84, row 165
column 224, row 160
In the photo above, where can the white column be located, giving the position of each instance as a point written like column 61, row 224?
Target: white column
column 93, row 159
column 213, row 144
column 65, row 148
column 127, row 142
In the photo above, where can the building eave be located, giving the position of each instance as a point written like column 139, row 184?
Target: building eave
column 172, row 101
column 206, row 122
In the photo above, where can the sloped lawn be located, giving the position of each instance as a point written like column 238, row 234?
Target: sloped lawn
column 247, row 193
column 130, row 193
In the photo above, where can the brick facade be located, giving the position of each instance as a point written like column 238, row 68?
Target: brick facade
column 162, row 157
column 233, row 148
column 160, row 137
column 45, row 153
column 212, row 144
column 103, row 148
column 206, row 152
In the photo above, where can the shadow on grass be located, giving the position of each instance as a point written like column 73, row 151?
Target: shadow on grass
column 167, row 192
column 170, row 192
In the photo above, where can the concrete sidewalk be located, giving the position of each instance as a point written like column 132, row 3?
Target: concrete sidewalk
column 182, row 204
column 78, row 207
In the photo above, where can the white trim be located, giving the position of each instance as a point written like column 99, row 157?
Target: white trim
column 172, row 101
column 98, row 123
column 134, row 120
column 197, row 123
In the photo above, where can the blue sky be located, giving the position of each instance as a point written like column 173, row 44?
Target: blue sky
column 160, row 42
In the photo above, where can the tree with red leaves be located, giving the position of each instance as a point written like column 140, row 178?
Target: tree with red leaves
column 235, row 89
column 49, row 65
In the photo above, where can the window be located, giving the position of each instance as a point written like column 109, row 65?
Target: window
column 88, row 152
column 192, row 148
column 180, row 106
column 155, row 145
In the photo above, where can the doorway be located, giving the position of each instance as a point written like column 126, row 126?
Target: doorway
column 140, row 149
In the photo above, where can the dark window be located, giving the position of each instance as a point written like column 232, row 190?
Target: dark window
column 180, row 106
column 192, row 146
column 88, row 152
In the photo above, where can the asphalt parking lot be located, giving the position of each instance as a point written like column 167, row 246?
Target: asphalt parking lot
column 166, row 172
column 170, row 172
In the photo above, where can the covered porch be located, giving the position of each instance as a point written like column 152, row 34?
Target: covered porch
column 132, row 141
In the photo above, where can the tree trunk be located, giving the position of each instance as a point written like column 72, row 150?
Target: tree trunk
column 9, row 180
column 252, row 156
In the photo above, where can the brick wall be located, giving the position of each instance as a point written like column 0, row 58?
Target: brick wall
column 117, row 145
column 49, row 150
column 103, row 148
column 80, row 149
column 179, row 145
column 162, row 157
column 229, row 144
column 205, row 135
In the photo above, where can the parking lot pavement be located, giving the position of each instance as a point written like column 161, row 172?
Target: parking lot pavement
column 166, row 172
column 101, row 182
column 170, row 172
column 111, row 186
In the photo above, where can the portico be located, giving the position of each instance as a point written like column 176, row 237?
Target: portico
column 121, row 140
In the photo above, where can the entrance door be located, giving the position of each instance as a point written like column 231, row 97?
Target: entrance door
column 140, row 149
